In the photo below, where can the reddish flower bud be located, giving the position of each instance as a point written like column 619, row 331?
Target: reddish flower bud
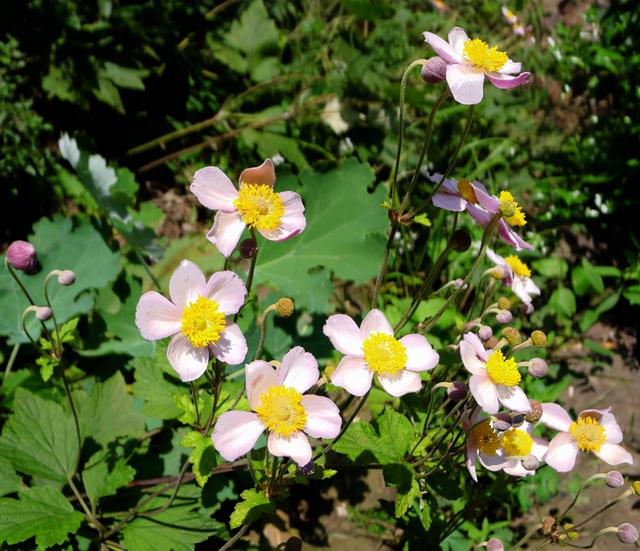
column 434, row 70
column 457, row 391
column 504, row 316
column 460, row 241
column 485, row 332
column 494, row 544
column 627, row 533
column 248, row 248
column 537, row 367
column 22, row 256
column 614, row 479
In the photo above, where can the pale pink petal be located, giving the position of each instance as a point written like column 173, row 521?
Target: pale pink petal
column 264, row 175
column 344, row 334
column 477, row 345
column 513, row 398
column 226, row 231
column 232, row 346
column 259, row 377
column 539, row 448
column 188, row 361
column 296, row 447
column 457, row 37
column 519, row 287
column 484, row 392
column 510, row 67
column 506, row 82
column 613, row 432
column 227, row 290
column 614, row 454
column 442, row 48
column 449, row 185
column 213, row 189
column 562, row 452
column 420, row 355
column 465, row 83
column 375, row 322
column 508, row 235
column 187, row 284
column 515, row 468
column 293, row 220
column 236, row 433
column 353, row 375
column 470, row 359
column 555, row 417
column 323, row 417
column 156, row 317
column 401, row 383
column 299, row 370
column 496, row 258
column 481, row 216
column 448, row 201
column 470, row 456
column 491, row 462
column 487, row 201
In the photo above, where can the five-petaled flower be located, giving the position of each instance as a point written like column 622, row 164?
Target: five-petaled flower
column 517, row 275
column 371, row 349
column 595, row 430
column 279, row 406
column 196, row 316
column 277, row 216
column 494, row 378
column 469, row 61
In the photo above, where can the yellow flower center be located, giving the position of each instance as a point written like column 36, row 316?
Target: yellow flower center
column 260, row 206
column 465, row 188
column 589, row 434
column 516, row 443
column 477, row 51
column 384, row 354
column 519, row 267
column 203, row 322
column 486, row 438
column 510, row 210
column 502, row 371
column 281, row 410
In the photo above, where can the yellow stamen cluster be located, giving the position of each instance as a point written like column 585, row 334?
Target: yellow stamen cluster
column 260, row 206
column 465, row 188
column 502, row 371
column 589, row 434
column 478, row 53
column 511, row 211
column 486, row 438
column 383, row 354
column 203, row 322
column 281, row 410
column 516, row 443
column 519, row 267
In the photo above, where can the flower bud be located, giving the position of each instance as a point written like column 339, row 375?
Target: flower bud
column 502, row 422
column 22, row 255
column 43, row 313
column 492, row 342
column 537, row 367
column 285, row 307
column 457, row 283
column 512, row 335
column 627, row 533
column 536, row 412
column 460, row 241
column 307, row 470
column 539, row 339
column 485, row 332
column 614, row 479
column 635, row 486
column 504, row 316
column 434, row 70
column 494, row 544
column 66, row 277
column 504, row 303
column 517, row 419
column 531, row 463
column 548, row 524
column 248, row 248
column 457, row 391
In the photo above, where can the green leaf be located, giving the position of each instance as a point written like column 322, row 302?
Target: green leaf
column 202, row 457
column 108, row 412
column 344, row 234
column 563, row 301
column 551, row 267
column 402, row 477
column 107, row 92
column 59, row 246
column 102, row 475
column 254, row 505
column 255, row 32
column 9, row 481
column 423, row 220
column 40, row 439
column 42, row 512
column 124, row 77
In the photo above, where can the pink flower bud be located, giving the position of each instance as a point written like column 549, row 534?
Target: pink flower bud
column 22, row 255
column 43, row 313
column 457, row 391
column 627, row 533
column 614, row 479
column 494, row 544
column 66, row 277
column 502, row 422
column 537, row 367
column 485, row 332
column 434, row 70
column 531, row 463
column 504, row 316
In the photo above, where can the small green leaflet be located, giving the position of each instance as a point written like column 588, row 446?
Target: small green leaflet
column 254, row 505
column 202, row 456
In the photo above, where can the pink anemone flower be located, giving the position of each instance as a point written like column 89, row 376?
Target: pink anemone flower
column 371, row 349
column 469, row 61
column 517, row 275
column 279, row 406
column 481, row 443
column 196, row 316
column 595, row 430
column 494, row 378
column 277, row 216
column 456, row 195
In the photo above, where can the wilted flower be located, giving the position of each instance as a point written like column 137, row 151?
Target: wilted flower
column 371, row 349
column 517, row 275
column 277, row 216
column 469, row 61
column 482, row 442
column 494, row 378
column 22, row 255
column 279, row 406
column 196, row 316
column 595, row 430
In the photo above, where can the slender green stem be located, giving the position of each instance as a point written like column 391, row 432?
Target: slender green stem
column 72, row 405
column 58, row 345
column 15, row 277
column 90, row 515
column 194, row 396
column 598, row 476
column 12, row 359
column 252, row 268
column 528, row 536
column 262, row 323
column 147, row 269
column 235, row 537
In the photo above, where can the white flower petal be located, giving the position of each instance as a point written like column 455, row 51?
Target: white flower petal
column 213, row 189
column 296, row 447
column 470, row 359
column 375, row 322
column 562, row 452
column 344, row 334
column 293, row 220
column 189, row 362
column 156, row 317
column 555, row 417
column 420, row 355
column 323, row 417
column 513, row 398
column 457, row 37
column 299, row 370
column 226, row 231
column 353, row 375
column 259, row 377
column 187, row 284
column 466, row 84
column 227, row 290
column 614, row 454
column 236, row 433
column 484, row 392
column 232, row 346
column 401, row 383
